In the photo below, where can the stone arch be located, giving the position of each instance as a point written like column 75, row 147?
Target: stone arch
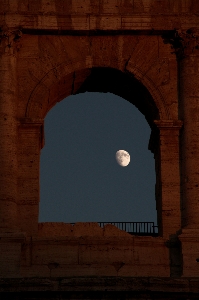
column 76, row 77
column 42, row 97
column 155, row 92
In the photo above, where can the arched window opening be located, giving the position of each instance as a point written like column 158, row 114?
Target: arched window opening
column 80, row 180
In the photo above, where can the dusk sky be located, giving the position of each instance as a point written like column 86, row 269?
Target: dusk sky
column 80, row 179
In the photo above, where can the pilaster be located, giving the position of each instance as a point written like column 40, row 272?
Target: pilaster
column 188, row 59
column 166, row 151
column 31, row 140
column 8, row 131
column 186, row 46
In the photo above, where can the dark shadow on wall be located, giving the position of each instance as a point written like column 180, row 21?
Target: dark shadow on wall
column 175, row 256
column 124, row 85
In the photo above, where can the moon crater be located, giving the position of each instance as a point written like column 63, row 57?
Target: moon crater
column 122, row 158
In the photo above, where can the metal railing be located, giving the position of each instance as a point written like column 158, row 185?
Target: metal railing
column 134, row 228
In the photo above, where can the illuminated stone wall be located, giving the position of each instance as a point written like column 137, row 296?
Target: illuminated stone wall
column 52, row 49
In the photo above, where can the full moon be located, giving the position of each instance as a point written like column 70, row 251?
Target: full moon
column 123, row 158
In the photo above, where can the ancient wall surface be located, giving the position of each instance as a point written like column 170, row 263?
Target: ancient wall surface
column 50, row 49
column 100, row 15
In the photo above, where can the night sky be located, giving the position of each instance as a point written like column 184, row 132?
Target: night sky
column 80, row 180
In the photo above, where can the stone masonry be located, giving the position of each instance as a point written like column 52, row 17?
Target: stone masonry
column 146, row 51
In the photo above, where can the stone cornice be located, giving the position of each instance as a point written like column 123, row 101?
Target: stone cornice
column 99, row 21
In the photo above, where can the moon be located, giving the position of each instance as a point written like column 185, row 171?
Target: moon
column 123, row 158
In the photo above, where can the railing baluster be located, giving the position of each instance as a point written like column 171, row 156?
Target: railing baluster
column 143, row 228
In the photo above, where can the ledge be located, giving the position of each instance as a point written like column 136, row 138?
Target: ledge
column 152, row 284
